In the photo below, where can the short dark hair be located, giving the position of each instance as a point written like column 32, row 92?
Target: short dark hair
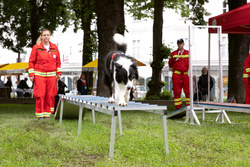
column 180, row 41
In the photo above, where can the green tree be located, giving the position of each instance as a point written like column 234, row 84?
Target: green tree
column 21, row 20
column 154, row 9
column 110, row 20
column 155, row 84
column 198, row 11
column 238, row 51
column 83, row 17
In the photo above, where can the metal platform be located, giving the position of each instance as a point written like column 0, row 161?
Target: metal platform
column 100, row 104
column 236, row 107
column 181, row 110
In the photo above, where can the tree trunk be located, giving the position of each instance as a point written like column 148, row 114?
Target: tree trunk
column 238, row 51
column 34, row 22
column 87, row 43
column 155, row 84
column 110, row 19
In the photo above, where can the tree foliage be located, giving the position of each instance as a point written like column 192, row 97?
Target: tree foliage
column 110, row 20
column 191, row 9
column 21, row 20
column 198, row 11
column 84, row 16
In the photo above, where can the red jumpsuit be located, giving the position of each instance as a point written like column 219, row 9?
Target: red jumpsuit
column 246, row 80
column 44, row 66
column 179, row 65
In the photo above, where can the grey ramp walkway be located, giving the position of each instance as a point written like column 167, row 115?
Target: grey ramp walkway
column 97, row 101
column 236, row 107
column 174, row 113
column 100, row 104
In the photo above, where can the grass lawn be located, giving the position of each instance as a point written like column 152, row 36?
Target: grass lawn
column 26, row 141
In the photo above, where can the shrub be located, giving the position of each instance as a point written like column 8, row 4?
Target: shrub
column 165, row 95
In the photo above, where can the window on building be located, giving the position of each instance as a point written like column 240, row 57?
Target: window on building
column 69, row 83
column 63, row 79
column 224, row 48
column 75, row 79
column 169, row 84
column 136, row 48
column 224, row 6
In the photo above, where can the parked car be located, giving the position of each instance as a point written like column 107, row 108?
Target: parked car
column 140, row 91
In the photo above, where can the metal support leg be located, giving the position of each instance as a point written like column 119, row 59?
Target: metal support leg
column 218, row 116
column 61, row 112
column 80, row 120
column 222, row 117
column 120, row 121
column 226, row 116
column 112, row 136
column 187, row 116
column 203, row 115
column 93, row 116
column 191, row 116
column 165, row 133
column 194, row 116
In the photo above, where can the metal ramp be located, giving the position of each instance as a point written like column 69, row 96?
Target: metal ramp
column 236, row 107
column 100, row 104
column 174, row 113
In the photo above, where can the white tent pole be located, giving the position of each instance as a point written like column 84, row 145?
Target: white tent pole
column 93, row 86
column 209, row 61
column 190, row 69
column 190, row 78
column 220, row 65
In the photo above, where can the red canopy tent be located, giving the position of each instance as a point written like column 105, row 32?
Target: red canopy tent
column 236, row 21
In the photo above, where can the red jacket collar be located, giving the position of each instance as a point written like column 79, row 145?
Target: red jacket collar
column 184, row 51
column 51, row 45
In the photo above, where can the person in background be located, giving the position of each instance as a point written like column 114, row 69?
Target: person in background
column 179, row 65
column 246, row 79
column 1, row 83
column 61, row 90
column 203, row 84
column 9, row 82
column 82, row 86
column 131, row 95
column 22, row 85
column 195, row 89
column 44, row 70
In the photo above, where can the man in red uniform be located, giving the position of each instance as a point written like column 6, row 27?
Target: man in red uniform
column 44, row 68
column 179, row 65
column 246, row 78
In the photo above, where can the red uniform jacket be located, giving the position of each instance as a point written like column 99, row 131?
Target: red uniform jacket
column 247, row 66
column 245, row 75
column 43, row 62
column 179, row 61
